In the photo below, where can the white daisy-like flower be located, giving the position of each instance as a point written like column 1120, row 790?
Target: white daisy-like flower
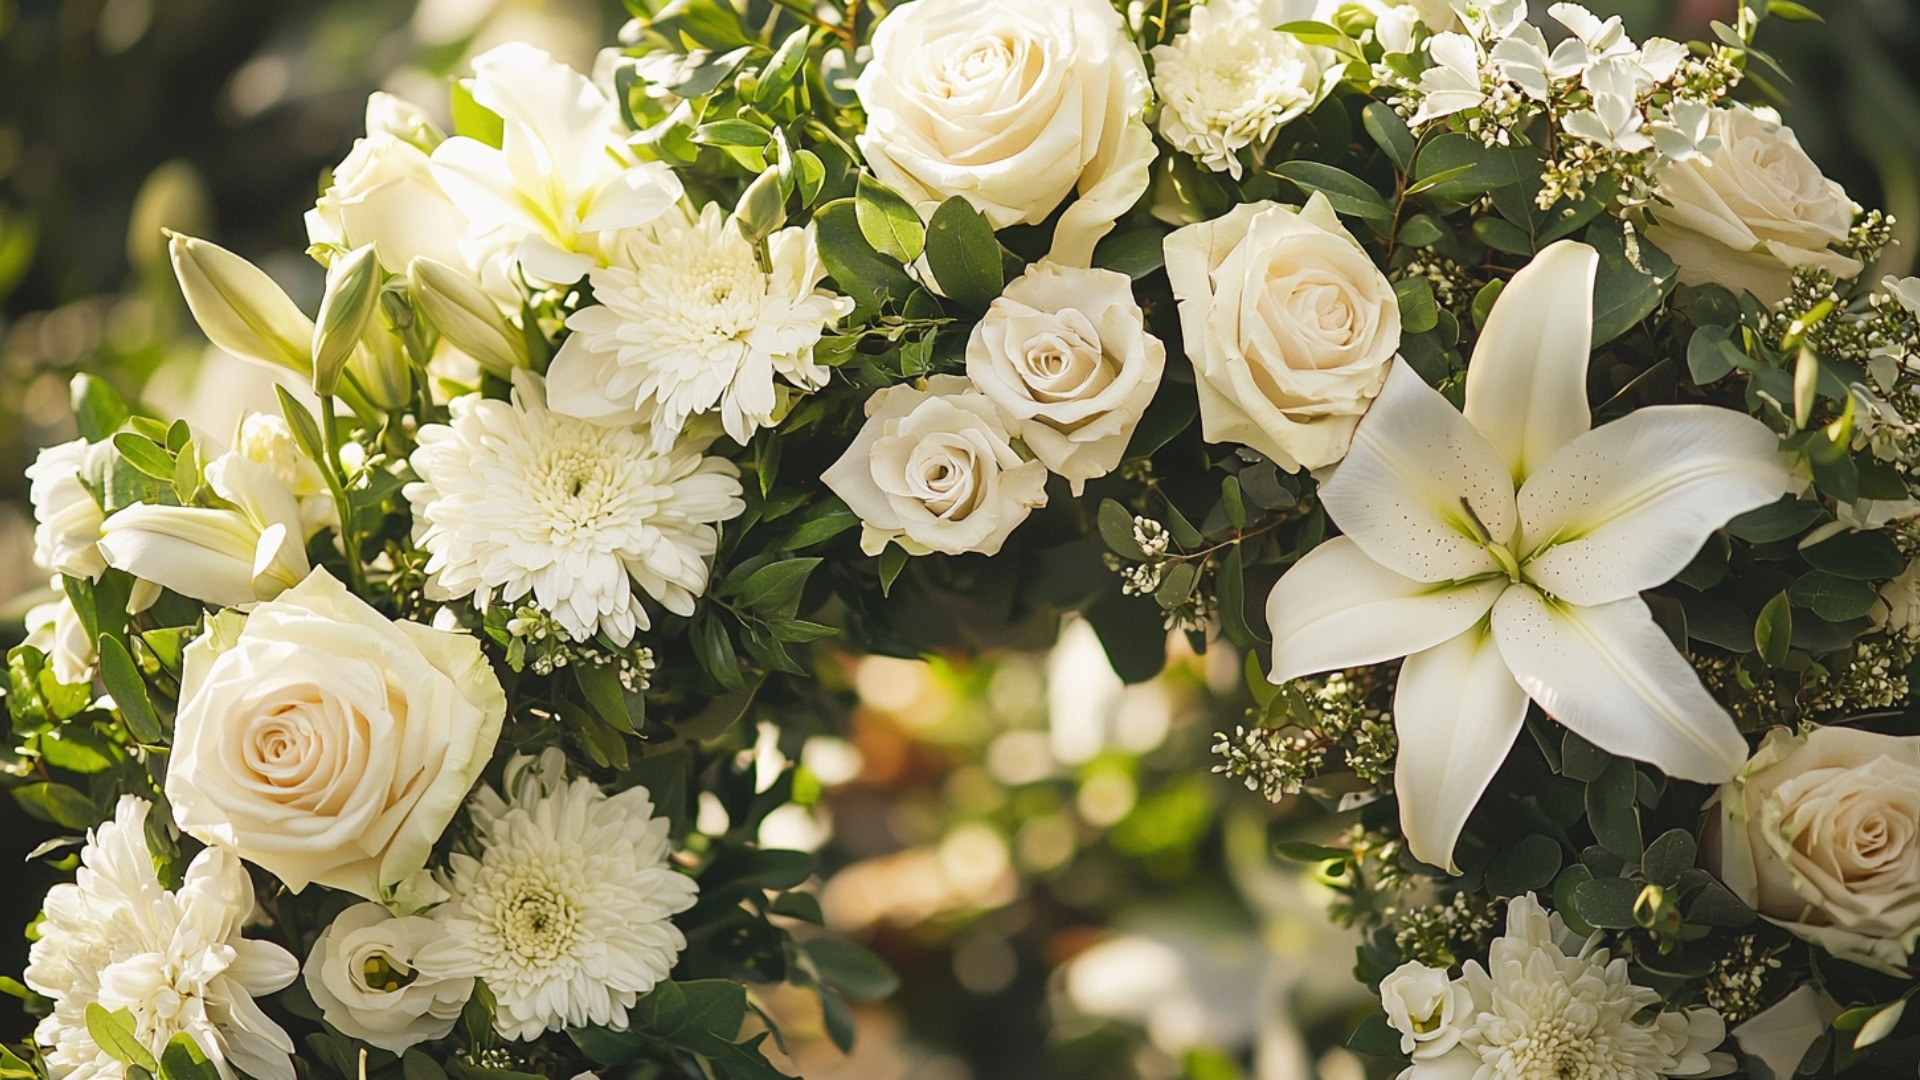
column 1231, row 81
column 688, row 323
column 516, row 499
column 1548, row 1005
column 66, row 518
column 566, row 911
column 175, row 960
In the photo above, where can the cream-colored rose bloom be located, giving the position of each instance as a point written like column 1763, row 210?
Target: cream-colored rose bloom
column 933, row 470
column 1289, row 325
column 1013, row 106
column 1821, row 834
column 384, row 193
column 327, row 744
column 1426, row 1007
column 375, row 978
column 1747, row 214
column 67, row 520
column 1065, row 355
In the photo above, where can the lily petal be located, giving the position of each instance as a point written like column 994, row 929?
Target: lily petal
column 1337, row 608
column 1456, row 712
column 1626, row 506
column 1611, row 675
column 1527, row 381
column 1402, row 492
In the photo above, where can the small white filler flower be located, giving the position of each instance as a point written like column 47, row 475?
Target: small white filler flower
column 175, row 960
column 566, row 912
column 514, row 499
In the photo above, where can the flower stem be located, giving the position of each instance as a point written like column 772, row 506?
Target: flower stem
column 336, row 485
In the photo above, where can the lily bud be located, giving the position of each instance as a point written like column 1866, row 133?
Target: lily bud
column 466, row 316
column 379, row 366
column 353, row 288
column 239, row 307
column 762, row 208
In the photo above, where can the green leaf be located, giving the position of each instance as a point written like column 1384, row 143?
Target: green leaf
column 869, row 277
column 963, row 254
column 733, row 133
column 1671, row 854
column 1375, row 1038
column 1791, row 516
column 1503, row 235
column 97, row 407
column 143, row 454
column 1527, row 866
column 1581, row 760
column 1793, row 12
column 1459, row 167
column 472, row 119
column 182, row 1059
column 1869, row 555
column 1832, row 597
column 719, row 714
column 1345, row 192
column 776, row 587
column 116, row 1033
column 766, row 868
column 129, row 690
column 12, row 1068
column 893, row 559
column 306, row 432
column 888, row 221
column 1176, row 586
column 1634, row 277
column 1418, row 313
column 1607, row 903
column 1116, row 528
column 1133, row 252
column 1711, row 356
column 714, row 649
column 850, row 969
column 1483, row 302
column 1389, row 132
column 1773, row 630
column 824, row 521
column 58, row 804
column 1613, row 811
column 601, row 685
column 1230, row 596
column 415, row 1065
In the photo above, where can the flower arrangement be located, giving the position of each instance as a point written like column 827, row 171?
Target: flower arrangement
column 1539, row 386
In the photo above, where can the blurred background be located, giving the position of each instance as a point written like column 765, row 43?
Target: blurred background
column 1042, row 853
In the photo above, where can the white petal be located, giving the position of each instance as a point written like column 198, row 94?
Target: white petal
column 1610, row 674
column 1527, row 381
column 1456, row 712
column 1338, row 608
column 1626, row 506
column 1400, row 493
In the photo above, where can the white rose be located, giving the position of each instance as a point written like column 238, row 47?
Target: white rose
column 372, row 976
column 384, row 193
column 325, row 743
column 1065, row 356
column 1747, row 213
column 933, row 470
column 1231, row 81
column 1427, row 1008
column 66, row 518
column 1821, row 834
column 1013, row 106
column 1290, row 327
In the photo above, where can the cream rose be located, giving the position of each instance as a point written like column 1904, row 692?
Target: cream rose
column 384, row 193
column 933, row 469
column 327, row 744
column 1289, row 325
column 1065, row 356
column 1427, row 1008
column 1012, row 106
column 1748, row 213
column 375, row 978
column 67, row 520
column 1821, row 834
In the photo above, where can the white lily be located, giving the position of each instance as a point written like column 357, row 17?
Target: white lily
column 226, row 557
column 1502, row 553
column 563, row 173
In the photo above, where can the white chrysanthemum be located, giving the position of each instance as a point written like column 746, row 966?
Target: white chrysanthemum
column 1231, row 81
column 1551, row 1006
column 175, row 960
column 566, row 912
column 516, row 499
column 688, row 323
column 67, row 520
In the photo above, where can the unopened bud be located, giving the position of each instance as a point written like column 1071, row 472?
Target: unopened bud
column 380, row 369
column 353, row 288
column 402, row 119
column 239, row 307
column 466, row 316
column 762, row 208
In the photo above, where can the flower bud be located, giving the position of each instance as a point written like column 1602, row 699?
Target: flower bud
column 380, row 369
column 239, row 307
column 353, row 287
column 402, row 119
column 762, row 208
column 466, row 316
